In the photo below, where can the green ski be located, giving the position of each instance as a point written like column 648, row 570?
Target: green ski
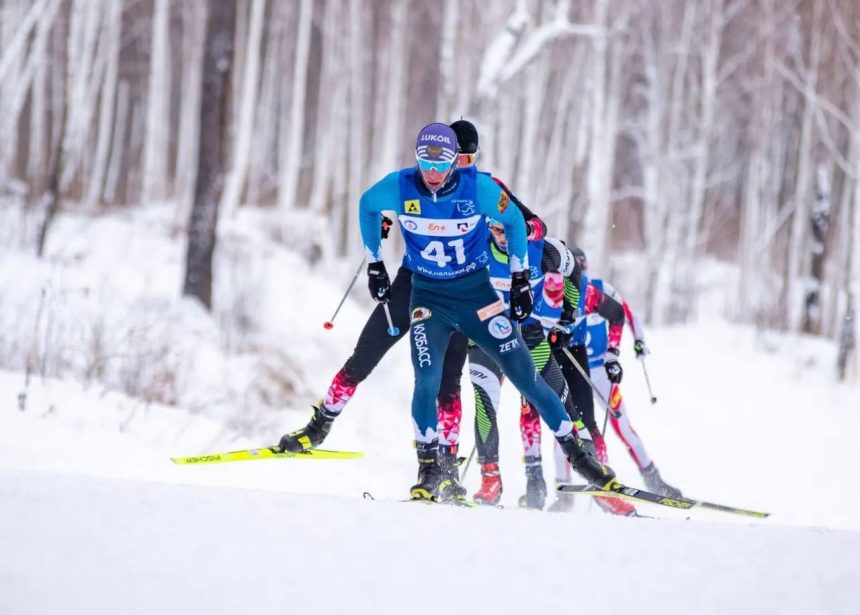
column 270, row 452
column 638, row 495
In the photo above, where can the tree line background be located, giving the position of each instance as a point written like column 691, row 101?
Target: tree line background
column 674, row 131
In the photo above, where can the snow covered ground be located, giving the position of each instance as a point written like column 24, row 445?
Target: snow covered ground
column 94, row 518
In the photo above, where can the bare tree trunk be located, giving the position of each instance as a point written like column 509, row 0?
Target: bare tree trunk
column 248, row 106
column 797, row 253
column 395, row 91
column 107, row 105
column 51, row 197
column 214, row 115
column 194, row 33
column 819, row 221
column 157, row 110
column 293, row 132
column 358, row 150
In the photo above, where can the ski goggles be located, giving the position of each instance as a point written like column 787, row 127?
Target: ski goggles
column 442, row 166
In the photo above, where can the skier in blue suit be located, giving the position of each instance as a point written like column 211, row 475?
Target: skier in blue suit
column 442, row 212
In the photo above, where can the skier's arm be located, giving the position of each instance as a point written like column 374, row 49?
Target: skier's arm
column 610, row 309
column 634, row 323
column 536, row 227
column 556, row 257
column 384, row 195
column 495, row 203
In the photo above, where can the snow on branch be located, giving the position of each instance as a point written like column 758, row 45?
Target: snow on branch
column 19, row 40
column 502, row 59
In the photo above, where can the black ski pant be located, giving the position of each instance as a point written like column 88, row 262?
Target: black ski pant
column 375, row 341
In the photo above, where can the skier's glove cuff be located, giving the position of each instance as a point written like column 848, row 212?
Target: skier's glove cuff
column 614, row 372
column 559, row 336
column 640, row 349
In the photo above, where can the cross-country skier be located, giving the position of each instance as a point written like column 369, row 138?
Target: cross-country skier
column 551, row 263
column 374, row 341
column 442, row 213
column 597, row 336
column 449, row 415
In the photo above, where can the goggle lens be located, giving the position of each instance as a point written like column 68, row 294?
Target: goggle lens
column 439, row 165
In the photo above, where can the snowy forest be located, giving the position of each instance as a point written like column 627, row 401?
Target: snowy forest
column 182, row 275
column 653, row 134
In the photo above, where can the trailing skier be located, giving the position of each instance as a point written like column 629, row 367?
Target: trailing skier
column 597, row 335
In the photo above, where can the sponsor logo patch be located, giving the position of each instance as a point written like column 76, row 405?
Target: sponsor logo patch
column 615, row 398
column 419, row 338
column 488, row 311
column 503, row 202
column 439, row 138
column 508, row 346
column 439, row 227
column 500, row 327
column 466, row 208
column 413, row 206
column 419, row 314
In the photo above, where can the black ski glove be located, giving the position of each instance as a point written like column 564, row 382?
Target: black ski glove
column 640, row 349
column 522, row 301
column 613, row 367
column 386, row 226
column 559, row 336
column 378, row 282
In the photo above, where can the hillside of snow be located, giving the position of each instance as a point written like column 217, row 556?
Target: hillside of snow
column 123, row 375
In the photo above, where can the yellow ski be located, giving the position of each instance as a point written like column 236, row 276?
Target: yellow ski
column 265, row 453
column 639, row 495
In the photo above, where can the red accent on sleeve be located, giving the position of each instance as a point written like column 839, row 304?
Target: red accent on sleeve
column 614, row 340
column 591, row 300
column 537, row 229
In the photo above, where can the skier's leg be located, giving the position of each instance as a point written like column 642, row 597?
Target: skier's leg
column 497, row 336
column 619, row 419
column 486, row 378
column 450, row 413
column 373, row 342
column 450, row 406
column 429, row 333
column 580, row 390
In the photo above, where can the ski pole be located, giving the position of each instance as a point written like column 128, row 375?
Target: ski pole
column 585, row 377
column 330, row 323
column 468, row 462
column 392, row 330
column 648, row 382
column 593, row 386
